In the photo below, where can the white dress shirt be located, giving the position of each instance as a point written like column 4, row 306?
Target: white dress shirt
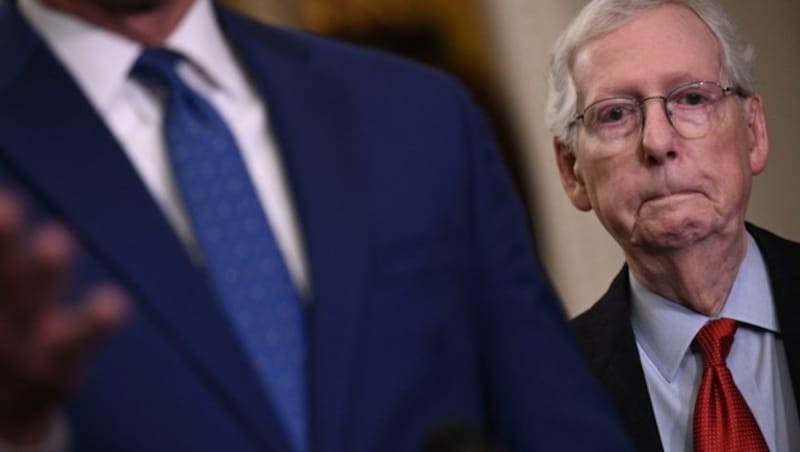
column 100, row 61
column 664, row 332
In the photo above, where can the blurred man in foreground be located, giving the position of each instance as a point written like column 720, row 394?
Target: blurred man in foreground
column 320, row 246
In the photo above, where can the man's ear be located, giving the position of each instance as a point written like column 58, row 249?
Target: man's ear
column 757, row 133
column 570, row 179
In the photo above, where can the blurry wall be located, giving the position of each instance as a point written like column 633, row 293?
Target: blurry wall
column 576, row 251
column 281, row 12
column 772, row 27
column 500, row 50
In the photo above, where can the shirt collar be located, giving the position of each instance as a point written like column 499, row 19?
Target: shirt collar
column 200, row 39
column 665, row 329
column 100, row 60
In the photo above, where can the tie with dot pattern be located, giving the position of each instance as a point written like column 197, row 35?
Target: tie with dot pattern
column 240, row 252
column 722, row 420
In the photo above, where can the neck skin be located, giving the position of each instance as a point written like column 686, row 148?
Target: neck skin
column 150, row 27
column 699, row 277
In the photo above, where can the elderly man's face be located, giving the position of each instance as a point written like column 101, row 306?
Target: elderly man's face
column 656, row 190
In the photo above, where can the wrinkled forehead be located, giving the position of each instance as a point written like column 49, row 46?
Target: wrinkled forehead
column 649, row 53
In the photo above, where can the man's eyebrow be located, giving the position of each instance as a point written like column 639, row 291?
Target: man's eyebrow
column 629, row 88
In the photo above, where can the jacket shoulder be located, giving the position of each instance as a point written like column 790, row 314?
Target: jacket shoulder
column 372, row 69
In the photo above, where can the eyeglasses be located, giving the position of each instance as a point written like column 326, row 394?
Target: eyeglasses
column 693, row 110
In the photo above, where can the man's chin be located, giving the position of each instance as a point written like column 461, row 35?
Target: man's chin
column 670, row 233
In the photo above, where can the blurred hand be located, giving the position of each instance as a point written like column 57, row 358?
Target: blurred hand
column 44, row 342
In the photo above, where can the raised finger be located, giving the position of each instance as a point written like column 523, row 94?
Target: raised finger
column 14, row 265
column 103, row 310
column 51, row 251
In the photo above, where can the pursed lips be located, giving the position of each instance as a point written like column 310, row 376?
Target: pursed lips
column 672, row 195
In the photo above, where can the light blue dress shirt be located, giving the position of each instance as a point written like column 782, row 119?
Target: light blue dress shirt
column 664, row 332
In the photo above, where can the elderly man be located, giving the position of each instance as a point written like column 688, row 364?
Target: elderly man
column 659, row 131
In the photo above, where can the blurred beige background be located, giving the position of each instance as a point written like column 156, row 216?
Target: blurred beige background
column 499, row 49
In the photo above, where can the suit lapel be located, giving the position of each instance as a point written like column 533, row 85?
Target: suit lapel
column 311, row 118
column 610, row 347
column 782, row 258
column 54, row 142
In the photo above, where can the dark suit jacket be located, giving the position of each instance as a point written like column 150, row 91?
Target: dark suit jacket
column 426, row 303
column 606, row 338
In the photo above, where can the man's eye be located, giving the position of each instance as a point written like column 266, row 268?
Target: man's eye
column 614, row 113
column 692, row 98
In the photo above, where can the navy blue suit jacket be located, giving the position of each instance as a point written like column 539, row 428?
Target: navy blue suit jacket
column 426, row 303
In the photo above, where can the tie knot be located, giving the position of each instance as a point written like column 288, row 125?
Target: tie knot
column 715, row 340
column 156, row 66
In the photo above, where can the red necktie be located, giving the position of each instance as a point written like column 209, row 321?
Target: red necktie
column 722, row 420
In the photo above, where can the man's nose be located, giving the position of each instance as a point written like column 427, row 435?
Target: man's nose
column 658, row 134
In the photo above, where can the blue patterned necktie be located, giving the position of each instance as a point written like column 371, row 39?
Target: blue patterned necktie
column 242, row 257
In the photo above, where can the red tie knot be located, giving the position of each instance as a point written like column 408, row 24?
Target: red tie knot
column 715, row 340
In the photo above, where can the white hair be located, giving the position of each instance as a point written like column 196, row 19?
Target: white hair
column 604, row 16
